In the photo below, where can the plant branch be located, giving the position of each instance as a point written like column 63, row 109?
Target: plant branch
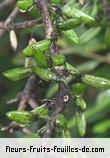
column 20, row 25
column 9, row 20
column 56, row 105
column 6, row 3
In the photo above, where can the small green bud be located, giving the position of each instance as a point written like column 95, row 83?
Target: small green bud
column 97, row 82
column 78, row 89
column 21, row 117
column 74, row 13
column 80, row 102
column 71, row 35
column 58, row 59
column 71, row 69
column 80, row 123
column 45, row 74
column 24, row 5
column 69, row 24
column 18, row 73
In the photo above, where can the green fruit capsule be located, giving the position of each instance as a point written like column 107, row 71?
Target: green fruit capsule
column 21, row 117
column 78, row 89
column 24, row 5
column 80, row 102
column 69, row 24
column 56, row 1
column 89, row 34
column 72, row 70
column 80, row 123
column 97, row 82
column 45, row 74
column 74, row 13
column 71, row 36
column 58, row 59
column 18, row 73
column 41, row 46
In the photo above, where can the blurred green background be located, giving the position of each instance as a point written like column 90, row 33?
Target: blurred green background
column 92, row 57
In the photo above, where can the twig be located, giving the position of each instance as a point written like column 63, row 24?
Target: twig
column 43, row 5
column 97, row 57
column 6, row 3
column 26, row 96
column 9, row 20
column 106, row 9
column 20, row 25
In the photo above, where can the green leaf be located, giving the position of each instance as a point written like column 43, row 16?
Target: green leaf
column 20, row 117
column 80, row 123
column 74, row 13
column 97, row 82
column 24, row 5
column 32, row 135
column 102, row 127
column 71, row 69
column 41, row 111
column 41, row 59
column 56, row 1
column 71, row 36
column 58, row 59
column 107, row 37
column 18, row 73
column 78, row 89
column 69, row 24
column 41, row 46
column 88, row 66
column 61, row 121
column 45, row 74
column 89, row 34
column 80, row 102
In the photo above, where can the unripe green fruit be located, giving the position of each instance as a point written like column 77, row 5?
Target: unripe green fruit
column 97, row 82
column 18, row 73
column 21, row 117
column 58, row 59
column 24, row 5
